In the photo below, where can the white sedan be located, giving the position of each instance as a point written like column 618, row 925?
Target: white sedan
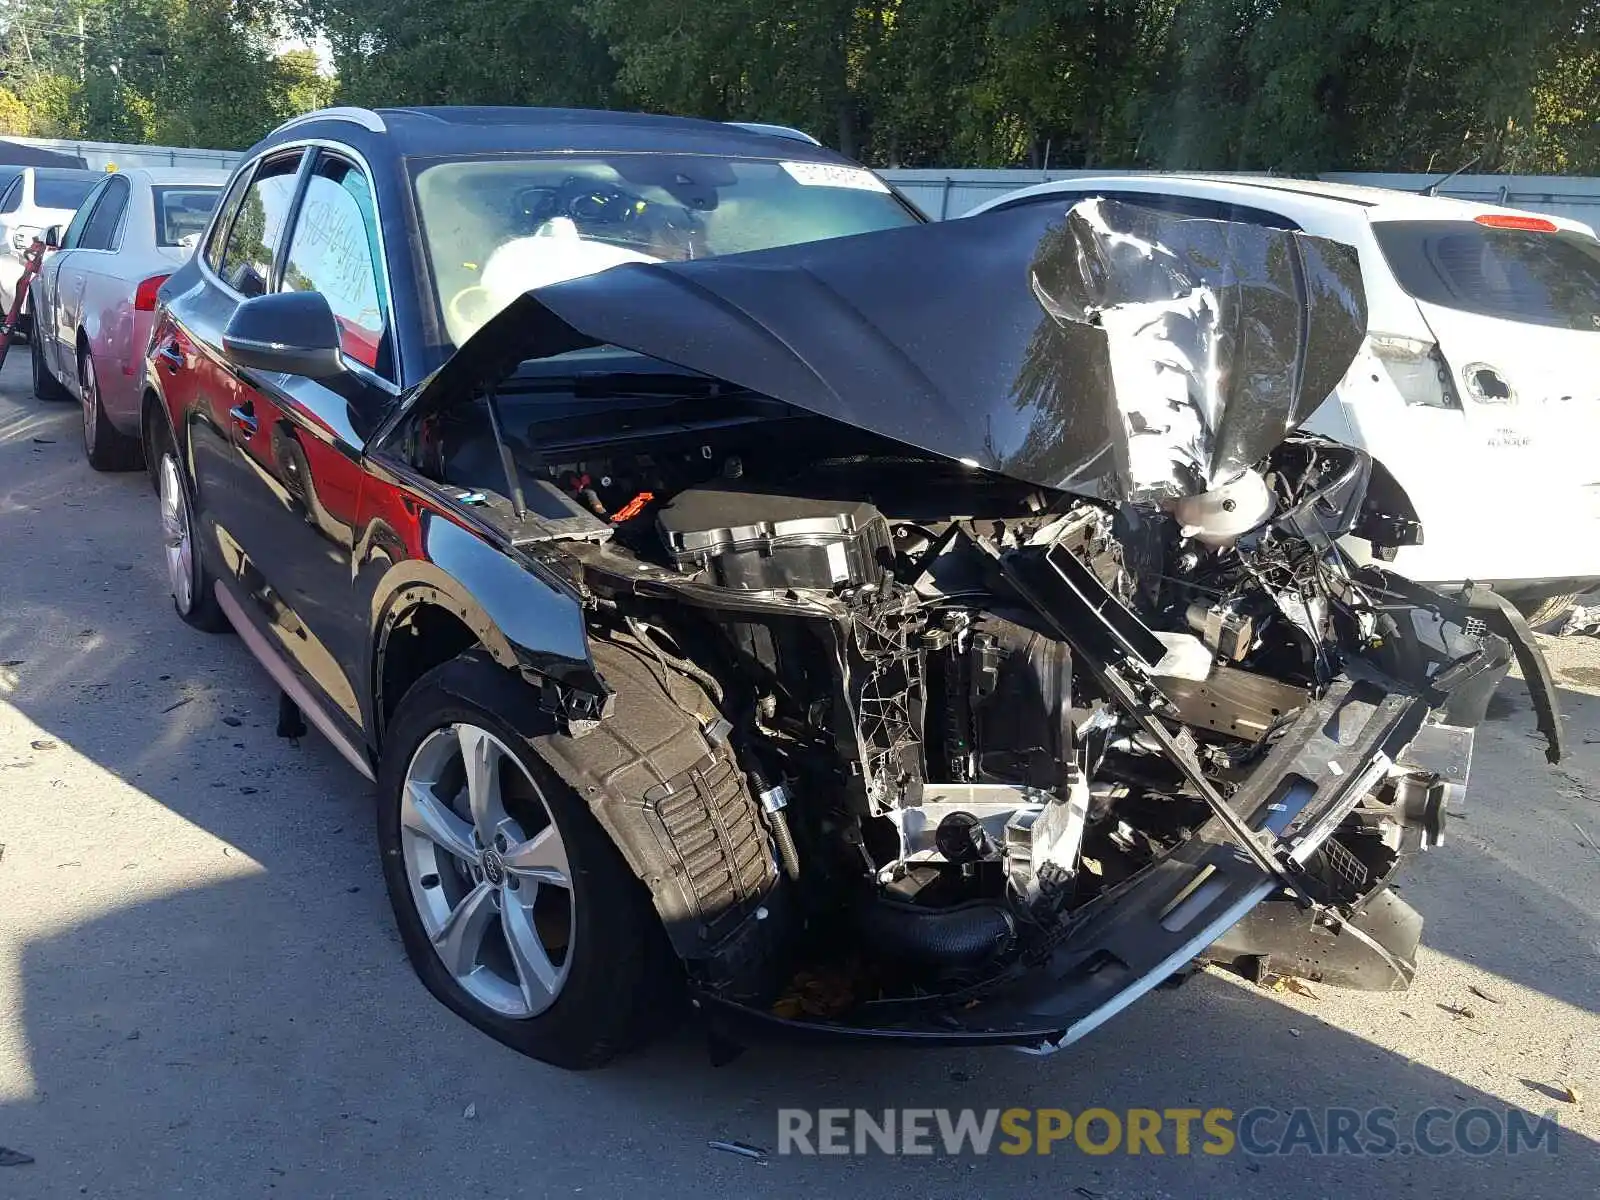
column 95, row 297
column 1478, row 389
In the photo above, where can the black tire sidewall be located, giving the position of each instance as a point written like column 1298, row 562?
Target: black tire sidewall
column 620, row 966
column 96, row 449
column 45, row 385
column 204, row 614
column 111, row 449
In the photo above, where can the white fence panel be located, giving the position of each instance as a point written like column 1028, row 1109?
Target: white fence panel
column 944, row 193
column 97, row 156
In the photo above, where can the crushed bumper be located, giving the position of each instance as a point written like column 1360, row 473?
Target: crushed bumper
column 1139, row 934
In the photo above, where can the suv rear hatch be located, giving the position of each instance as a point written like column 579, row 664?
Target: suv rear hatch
column 1513, row 301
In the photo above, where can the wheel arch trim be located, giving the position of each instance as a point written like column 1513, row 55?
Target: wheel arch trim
column 525, row 623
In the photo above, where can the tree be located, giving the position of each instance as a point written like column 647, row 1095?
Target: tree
column 1307, row 86
column 14, row 116
column 187, row 72
column 395, row 52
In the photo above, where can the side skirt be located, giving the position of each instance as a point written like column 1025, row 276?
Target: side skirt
column 283, row 675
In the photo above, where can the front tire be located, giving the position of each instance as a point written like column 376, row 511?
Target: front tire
column 193, row 590
column 45, row 385
column 106, row 446
column 515, row 908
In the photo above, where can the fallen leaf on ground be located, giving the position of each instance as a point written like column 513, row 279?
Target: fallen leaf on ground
column 13, row 1158
column 44, row 743
column 470, row 1111
column 1574, row 1096
column 1481, row 994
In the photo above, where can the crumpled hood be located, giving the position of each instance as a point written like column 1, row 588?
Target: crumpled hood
column 1104, row 347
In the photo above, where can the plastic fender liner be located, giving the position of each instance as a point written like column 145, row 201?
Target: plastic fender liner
column 1502, row 617
column 675, row 804
column 1373, row 949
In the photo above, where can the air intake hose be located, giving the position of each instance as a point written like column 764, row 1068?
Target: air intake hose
column 960, row 937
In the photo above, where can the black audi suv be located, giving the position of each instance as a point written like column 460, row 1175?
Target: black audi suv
column 743, row 591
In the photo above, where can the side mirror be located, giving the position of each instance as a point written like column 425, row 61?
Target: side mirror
column 52, row 238
column 292, row 332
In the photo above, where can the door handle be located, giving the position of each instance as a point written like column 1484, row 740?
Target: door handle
column 171, row 356
column 244, row 418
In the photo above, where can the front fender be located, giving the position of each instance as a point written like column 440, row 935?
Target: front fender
column 527, row 620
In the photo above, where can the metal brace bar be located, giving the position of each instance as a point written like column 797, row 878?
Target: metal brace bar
column 1123, row 693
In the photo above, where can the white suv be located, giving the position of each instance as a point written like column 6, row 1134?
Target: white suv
column 38, row 198
column 1478, row 388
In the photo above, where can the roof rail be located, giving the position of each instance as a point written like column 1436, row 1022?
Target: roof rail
column 363, row 117
column 783, row 131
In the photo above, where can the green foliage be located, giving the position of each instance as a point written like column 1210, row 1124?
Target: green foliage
column 52, row 101
column 1260, row 84
column 14, row 116
column 397, row 52
column 182, row 72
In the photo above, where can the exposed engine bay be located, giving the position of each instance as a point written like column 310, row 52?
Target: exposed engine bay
column 974, row 731
column 963, row 729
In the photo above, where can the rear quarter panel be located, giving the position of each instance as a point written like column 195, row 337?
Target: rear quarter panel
column 118, row 336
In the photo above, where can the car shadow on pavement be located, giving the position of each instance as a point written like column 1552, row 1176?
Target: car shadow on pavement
column 210, row 997
column 232, row 1040
column 259, row 1031
column 1515, row 889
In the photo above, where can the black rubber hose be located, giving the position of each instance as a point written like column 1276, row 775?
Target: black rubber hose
column 961, row 936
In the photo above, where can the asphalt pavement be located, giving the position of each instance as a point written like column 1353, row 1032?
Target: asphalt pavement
column 202, row 993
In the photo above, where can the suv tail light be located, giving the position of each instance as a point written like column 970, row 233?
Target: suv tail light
column 144, row 296
column 1417, row 370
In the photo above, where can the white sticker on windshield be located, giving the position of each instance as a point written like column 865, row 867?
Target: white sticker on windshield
column 815, row 174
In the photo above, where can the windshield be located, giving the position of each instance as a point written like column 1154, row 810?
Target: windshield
column 495, row 227
column 182, row 212
column 63, row 190
column 1538, row 278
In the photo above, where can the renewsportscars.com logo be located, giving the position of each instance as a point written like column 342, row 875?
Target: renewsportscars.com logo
column 1373, row 1132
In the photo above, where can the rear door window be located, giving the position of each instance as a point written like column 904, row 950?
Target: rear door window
column 11, row 200
column 258, row 227
column 106, row 220
column 1550, row 279
column 74, row 231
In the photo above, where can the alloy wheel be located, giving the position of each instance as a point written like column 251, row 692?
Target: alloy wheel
column 487, row 870
column 89, row 387
column 175, row 534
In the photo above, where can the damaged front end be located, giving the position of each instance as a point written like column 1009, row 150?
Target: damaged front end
column 971, row 684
